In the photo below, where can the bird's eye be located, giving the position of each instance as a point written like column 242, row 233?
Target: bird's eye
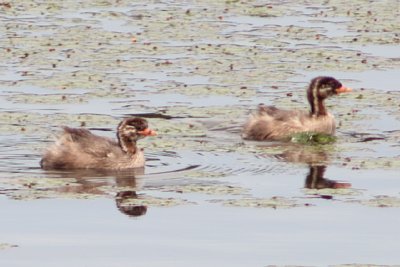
column 140, row 127
column 324, row 91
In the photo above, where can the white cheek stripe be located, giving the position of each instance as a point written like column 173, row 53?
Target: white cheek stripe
column 121, row 142
column 120, row 139
column 315, row 100
column 314, row 177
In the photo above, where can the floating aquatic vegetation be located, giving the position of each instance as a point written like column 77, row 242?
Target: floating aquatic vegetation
column 225, row 114
column 367, row 20
column 380, row 202
column 363, row 162
column 265, row 10
column 39, row 188
column 178, row 128
column 208, row 189
column 146, row 200
column 47, row 99
column 274, row 203
column 312, row 138
column 333, row 192
column 241, row 52
column 34, row 194
column 201, row 90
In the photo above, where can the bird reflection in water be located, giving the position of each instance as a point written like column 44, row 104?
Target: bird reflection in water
column 122, row 200
column 91, row 181
column 316, row 180
column 317, row 160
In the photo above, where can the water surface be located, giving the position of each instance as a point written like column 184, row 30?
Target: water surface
column 206, row 197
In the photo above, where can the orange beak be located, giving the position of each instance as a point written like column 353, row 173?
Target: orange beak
column 343, row 89
column 147, row 132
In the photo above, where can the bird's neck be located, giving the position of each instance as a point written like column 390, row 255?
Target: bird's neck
column 316, row 103
column 318, row 107
column 127, row 145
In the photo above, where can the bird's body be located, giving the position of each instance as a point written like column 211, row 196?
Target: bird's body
column 271, row 123
column 81, row 149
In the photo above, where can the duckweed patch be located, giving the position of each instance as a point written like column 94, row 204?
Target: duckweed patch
column 218, row 189
column 334, row 192
column 34, row 194
column 362, row 163
column 380, row 202
column 146, row 200
column 40, row 188
column 312, row 138
column 274, row 203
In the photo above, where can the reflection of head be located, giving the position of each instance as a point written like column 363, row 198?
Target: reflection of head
column 129, row 209
column 133, row 211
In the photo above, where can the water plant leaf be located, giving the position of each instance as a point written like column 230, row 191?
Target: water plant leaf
column 312, row 138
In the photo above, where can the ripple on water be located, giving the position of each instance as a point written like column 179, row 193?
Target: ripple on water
column 17, row 155
column 186, row 164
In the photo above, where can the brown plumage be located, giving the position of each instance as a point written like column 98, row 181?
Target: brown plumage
column 271, row 123
column 80, row 149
